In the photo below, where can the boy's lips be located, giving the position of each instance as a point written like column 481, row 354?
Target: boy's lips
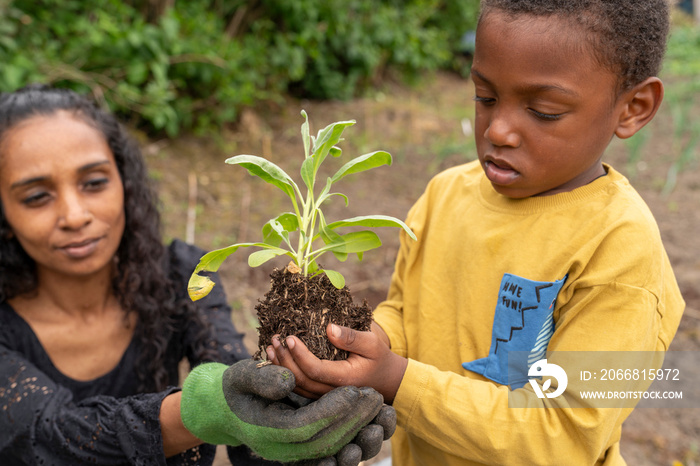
column 500, row 173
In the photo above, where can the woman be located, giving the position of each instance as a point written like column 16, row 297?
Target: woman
column 94, row 315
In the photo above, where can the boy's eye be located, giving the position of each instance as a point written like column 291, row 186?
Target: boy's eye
column 546, row 116
column 539, row 115
column 483, row 100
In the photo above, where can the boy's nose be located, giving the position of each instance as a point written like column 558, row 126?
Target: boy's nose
column 500, row 132
column 74, row 213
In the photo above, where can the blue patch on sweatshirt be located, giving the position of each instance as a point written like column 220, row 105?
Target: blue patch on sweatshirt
column 524, row 323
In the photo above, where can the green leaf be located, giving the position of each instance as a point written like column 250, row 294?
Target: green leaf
column 313, row 267
column 305, row 134
column 331, row 237
column 327, row 138
column 353, row 242
column 373, row 221
column 325, row 197
column 267, row 171
column 324, row 194
column 260, row 257
column 277, row 229
column 211, row 261
column 136, row 73
column 363, row 163
column 289, row 221
column 307, row 173
column 199, row 286
column 336, row 278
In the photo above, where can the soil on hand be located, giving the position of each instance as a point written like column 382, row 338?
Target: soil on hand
column 304, row 306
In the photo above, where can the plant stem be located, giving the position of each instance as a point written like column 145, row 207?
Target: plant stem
column 304, row 238
column 307, row 253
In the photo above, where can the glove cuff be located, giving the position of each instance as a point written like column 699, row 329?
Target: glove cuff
column 203, row 407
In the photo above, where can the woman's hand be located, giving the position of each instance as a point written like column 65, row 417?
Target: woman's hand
column 370, row 364
column 247, row 403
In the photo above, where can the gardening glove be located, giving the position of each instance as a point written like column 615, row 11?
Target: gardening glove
column 241, row 404
column 366, row 444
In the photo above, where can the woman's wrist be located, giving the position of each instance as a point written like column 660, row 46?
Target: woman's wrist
column 176, row 437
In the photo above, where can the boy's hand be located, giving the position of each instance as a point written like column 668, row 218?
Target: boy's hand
column 371, row 363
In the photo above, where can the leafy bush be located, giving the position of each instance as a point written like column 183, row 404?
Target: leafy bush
column 177, row 73
column 342, row 47
column 683, row 52
column 198, row 63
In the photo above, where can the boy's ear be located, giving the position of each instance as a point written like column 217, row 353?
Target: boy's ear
column 640, row 106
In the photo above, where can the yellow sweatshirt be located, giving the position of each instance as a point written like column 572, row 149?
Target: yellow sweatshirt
column 598, row 254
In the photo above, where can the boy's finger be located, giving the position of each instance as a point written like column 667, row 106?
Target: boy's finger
column 351, row 340
column 306, row 394
column 285, row 357
column 281, row 355
column 329, row 373
column 271, row 355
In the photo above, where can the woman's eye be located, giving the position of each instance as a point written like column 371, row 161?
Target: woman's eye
column 35, row 199
column 96, row 184
column 546, row 116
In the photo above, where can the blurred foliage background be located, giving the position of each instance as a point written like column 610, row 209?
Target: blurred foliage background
column 168, row 66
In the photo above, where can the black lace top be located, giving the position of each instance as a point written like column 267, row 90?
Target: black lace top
column 47, row 418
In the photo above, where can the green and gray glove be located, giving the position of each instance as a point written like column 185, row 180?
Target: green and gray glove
column 366, row 444
column 244, row 404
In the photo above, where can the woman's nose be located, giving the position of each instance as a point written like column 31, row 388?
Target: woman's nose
column 74, row 212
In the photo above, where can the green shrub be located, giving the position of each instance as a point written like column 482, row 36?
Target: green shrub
column 197, row 64
column 340, row 47
column 683, row 52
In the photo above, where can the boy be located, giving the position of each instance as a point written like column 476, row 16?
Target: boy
column 539, row 247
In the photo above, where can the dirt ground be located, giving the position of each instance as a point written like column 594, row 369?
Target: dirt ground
column 426, row 129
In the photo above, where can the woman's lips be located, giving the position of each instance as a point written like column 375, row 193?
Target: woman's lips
column 500, row 173
column 79, row 250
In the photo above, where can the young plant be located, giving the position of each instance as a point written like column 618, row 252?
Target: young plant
column 295, row 234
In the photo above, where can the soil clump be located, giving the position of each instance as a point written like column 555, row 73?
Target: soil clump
column 304, row 306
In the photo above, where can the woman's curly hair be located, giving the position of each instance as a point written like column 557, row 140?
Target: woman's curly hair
column 628, row 37
column 141, row 283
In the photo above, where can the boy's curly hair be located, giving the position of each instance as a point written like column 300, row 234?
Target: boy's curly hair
column 141, row 282
column 627, row 37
